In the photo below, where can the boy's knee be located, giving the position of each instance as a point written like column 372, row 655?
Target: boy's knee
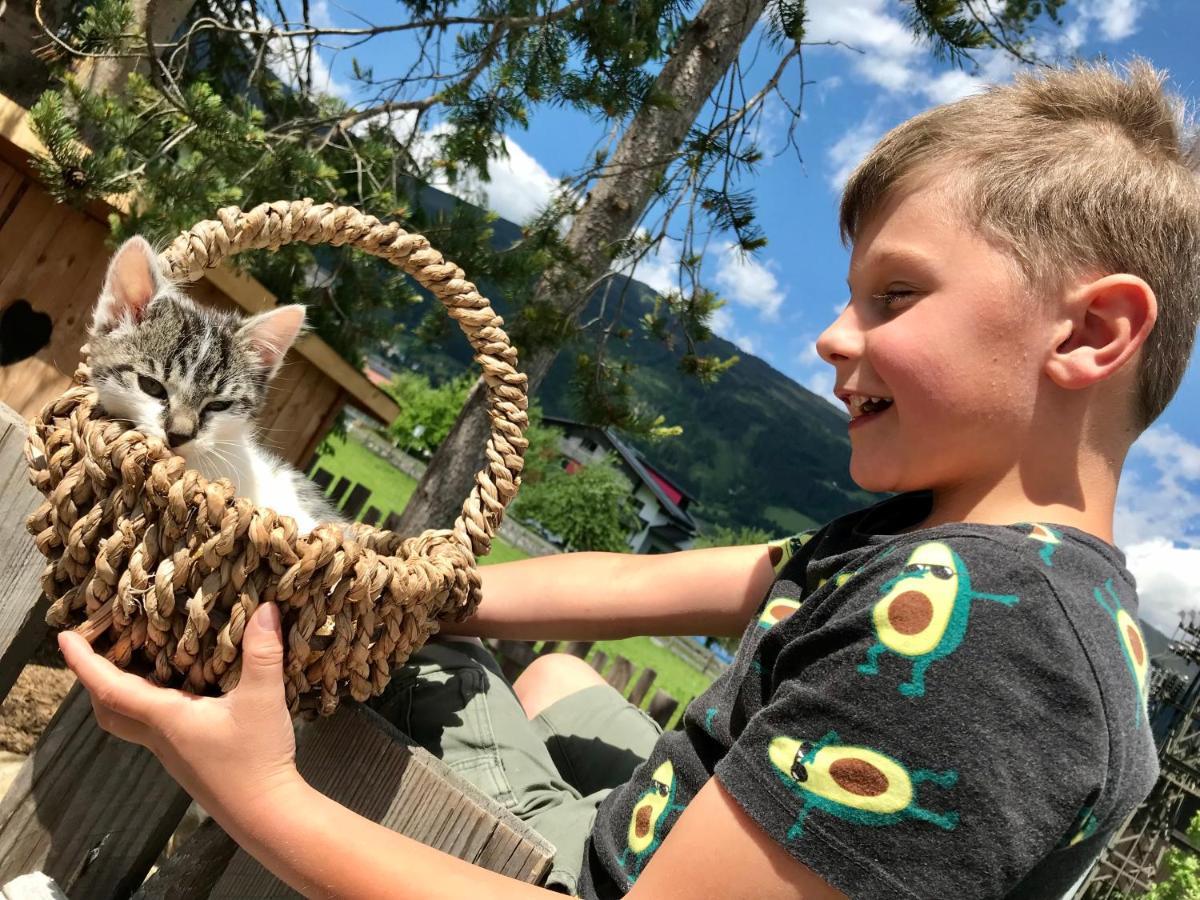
column 549, row 678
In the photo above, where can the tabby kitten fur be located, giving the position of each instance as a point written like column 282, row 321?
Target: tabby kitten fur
column 197, row 378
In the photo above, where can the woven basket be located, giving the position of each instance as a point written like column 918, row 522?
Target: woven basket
column 161, row 568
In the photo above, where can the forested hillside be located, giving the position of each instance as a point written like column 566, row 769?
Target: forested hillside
column 757, row 448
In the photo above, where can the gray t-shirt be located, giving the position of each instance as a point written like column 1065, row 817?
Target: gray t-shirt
column 958, row 711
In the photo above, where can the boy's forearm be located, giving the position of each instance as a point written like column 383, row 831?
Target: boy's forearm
column 598, row 596
column 323, row 849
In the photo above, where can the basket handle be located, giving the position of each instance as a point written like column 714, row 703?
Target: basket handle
column 271, row 225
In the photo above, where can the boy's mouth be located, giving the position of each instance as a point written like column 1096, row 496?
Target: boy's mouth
column 860, row 405
column 864, row 409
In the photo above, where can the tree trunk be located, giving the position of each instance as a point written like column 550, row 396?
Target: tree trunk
column 108, row 75
column 705, row 51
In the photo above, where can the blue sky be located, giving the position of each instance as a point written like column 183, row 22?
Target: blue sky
column 780, row 299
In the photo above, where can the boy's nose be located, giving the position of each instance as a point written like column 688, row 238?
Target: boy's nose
column 842, row 340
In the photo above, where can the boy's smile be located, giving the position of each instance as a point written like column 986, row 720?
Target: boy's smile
column 938, row 324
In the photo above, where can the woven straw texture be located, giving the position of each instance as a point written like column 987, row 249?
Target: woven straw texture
column 161, row 569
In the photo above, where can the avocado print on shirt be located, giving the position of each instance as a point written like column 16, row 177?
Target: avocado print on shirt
column 1133, row 645
column 1049, row 539
column 647, row 824
column 777, row 610
column 789, row 547
column 1084, row 827
column 923, row 614
column 857, row 784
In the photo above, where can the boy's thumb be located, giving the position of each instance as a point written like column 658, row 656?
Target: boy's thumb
column 262, row 648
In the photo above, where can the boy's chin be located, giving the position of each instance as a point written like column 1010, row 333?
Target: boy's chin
column 876, row 481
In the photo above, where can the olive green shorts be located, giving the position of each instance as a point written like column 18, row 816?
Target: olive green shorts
column 551, row 771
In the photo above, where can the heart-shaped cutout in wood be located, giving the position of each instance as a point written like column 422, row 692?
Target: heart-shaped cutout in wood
column 23, row 332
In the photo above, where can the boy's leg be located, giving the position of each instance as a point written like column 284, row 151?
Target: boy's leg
column 452, row 700
column 595, row 737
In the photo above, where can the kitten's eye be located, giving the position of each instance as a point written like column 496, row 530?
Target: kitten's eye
column 152, row 387
column 218, row 406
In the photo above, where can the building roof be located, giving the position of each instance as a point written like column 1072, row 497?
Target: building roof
column 668, row 492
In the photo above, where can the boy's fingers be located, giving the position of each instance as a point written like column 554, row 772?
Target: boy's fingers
column 123, row 693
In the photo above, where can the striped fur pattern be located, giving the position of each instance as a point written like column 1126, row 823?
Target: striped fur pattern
column 197, row 378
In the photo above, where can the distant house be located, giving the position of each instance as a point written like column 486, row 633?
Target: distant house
column 662, row 504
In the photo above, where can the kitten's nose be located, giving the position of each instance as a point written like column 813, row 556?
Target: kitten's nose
column 181, row 428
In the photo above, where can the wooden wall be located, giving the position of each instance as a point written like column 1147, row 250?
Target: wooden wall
column 55, row 256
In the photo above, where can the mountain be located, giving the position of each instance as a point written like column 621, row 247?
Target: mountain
column 757, row 449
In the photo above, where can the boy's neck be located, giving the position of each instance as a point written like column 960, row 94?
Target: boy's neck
column 1082, row 496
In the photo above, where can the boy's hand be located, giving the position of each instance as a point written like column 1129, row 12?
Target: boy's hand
column 227, row 752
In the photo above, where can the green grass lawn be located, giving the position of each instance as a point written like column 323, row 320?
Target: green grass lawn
column 345, row 457
column 676, row 677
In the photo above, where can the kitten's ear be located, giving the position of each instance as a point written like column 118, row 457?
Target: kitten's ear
column 270, row 334
column 132, row 281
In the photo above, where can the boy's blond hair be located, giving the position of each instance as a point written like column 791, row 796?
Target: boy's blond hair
column 1076, row 172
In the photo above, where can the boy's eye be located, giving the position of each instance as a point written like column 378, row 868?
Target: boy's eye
column 152, row 387
column 890, row 298
column 218, row 406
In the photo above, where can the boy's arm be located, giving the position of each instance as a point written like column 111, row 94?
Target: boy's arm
column 322, row 849
column 599, row 596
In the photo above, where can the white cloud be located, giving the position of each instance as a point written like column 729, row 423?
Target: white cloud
column 1117, row 18
column 747, row 281
column 518, row 186
column 289, row 59
column 1166, row 581
column 660, row 267
column 882, row 50
column 850, row 149
column 889, row 48
column 1165, row 504
column 722, row 321
column 1158, row 524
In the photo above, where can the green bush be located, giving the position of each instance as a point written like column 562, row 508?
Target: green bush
column 590, row 509
column 1183, row 868
column 426, row 412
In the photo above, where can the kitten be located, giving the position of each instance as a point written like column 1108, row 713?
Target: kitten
column 197, row 378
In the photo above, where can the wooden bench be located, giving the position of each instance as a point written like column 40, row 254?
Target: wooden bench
column 94, row 812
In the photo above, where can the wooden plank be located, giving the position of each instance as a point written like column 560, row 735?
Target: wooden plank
column 579, row 648
column 641, row 687
column 513, row 657
column 599, row 660
column 548, row 647
column 22, row 609
column 662, row 707
column 361, row 761
column 621, row 672
column 392, row 522
column 91, row 811
column 339, row 490
column 359, row 495
column 302, row 410
column 322, row 478
column 192, row 871
column 679, row 722
column 337, row 404
column 371, row 516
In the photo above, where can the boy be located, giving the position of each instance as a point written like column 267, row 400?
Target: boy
column 941, row 696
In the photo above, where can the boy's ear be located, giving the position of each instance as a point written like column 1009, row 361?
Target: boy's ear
column 1106, row 322
column 132, row 281
column 270, row 334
